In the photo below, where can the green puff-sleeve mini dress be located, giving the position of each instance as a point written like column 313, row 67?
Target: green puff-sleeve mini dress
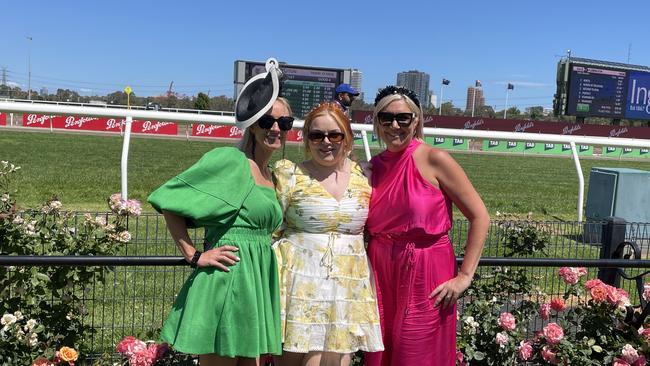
column 236, row 313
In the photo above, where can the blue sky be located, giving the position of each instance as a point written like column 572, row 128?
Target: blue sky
column 100, row 47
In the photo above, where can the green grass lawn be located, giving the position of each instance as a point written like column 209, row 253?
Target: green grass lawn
column 84, row 170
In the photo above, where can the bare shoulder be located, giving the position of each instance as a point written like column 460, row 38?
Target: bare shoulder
column 255, row 171
column 434, row 156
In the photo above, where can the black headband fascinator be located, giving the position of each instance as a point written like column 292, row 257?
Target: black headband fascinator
column 258, row 95
column 392, row 89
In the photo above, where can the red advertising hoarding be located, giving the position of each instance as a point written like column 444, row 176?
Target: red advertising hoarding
column 230, row 131
column 98, row 124
column 518, row 125
column 3, row 119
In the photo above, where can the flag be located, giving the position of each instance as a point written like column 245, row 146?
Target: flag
column 445, row 81
column 511, row 86
column 478, row 83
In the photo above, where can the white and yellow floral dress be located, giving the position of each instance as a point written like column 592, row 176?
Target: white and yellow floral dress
column 328, row 302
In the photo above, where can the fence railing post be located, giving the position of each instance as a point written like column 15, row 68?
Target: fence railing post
column 613, row 235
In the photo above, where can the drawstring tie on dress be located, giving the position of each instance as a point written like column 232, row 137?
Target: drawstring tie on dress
column 327, row 260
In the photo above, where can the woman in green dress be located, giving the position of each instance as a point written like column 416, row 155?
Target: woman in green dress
column 228, row 311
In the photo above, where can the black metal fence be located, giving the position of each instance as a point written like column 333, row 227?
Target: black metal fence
column 142, row 282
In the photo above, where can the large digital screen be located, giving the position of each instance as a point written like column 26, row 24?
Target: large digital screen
column 304, row 86
column 608, row 92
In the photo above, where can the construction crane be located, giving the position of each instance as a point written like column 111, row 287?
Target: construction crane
column 169, row 91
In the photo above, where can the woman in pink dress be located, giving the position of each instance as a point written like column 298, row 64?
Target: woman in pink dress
column 418, row 283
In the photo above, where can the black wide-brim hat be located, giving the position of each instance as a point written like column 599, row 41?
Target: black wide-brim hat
column 258, row 95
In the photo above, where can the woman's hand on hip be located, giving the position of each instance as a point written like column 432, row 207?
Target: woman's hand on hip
column 220, row 257
column 448, row 293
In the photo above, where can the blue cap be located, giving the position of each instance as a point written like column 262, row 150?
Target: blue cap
column 346, row 88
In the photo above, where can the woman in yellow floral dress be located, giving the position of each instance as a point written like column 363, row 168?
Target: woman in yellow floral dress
column 329, row 306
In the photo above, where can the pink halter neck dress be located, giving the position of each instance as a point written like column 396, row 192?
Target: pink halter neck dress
column 411, row 255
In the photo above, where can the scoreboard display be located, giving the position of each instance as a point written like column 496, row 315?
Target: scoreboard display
column 605, row 91
column 303, row 86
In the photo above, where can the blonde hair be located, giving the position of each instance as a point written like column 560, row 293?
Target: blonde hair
column 334, row 111
column 246, row 142
column 417, row 112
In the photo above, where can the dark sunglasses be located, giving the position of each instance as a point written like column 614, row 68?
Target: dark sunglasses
column 403, row 119
column 266, row 122
column 319, row 136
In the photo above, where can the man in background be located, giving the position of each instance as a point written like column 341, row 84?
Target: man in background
column 345, row 95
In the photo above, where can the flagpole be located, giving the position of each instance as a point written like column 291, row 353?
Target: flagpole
column 505, row 111
column 440, row 103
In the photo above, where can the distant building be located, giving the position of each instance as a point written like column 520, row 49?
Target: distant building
column 434, row 99
column 44, row 91
column 418, row 82
column 356, row 79
column 480, row 99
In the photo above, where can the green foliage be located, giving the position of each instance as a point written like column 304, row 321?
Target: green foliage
column 202, row 102
column 521, row 238
column 49, row 298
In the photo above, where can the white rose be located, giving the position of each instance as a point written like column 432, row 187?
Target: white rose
column 8, row 319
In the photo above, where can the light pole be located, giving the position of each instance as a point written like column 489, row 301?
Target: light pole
column 442, row 85
column 29, row 68
column 508, row 89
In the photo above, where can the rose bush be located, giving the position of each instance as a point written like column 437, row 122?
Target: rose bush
column 589, row 326
column 42, row 307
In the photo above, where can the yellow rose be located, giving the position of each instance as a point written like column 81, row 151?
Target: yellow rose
column 68, row 354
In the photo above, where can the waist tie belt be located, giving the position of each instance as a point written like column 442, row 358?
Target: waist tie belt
column 410, row 270
column 327, row 260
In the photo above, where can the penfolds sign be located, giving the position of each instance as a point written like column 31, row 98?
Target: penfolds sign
column 3, row 119
column 37, row 120
column 519, row 125
column 98, row 124
column 232, row 132
column 210, row 130
column 154, row 127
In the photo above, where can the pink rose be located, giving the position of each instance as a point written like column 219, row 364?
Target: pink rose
column 641, row 361
column 130, row 346
column 41, row 361
column 558, row 304
column 548, row 355
column 571, row 275
column 613, row 296
column 598, row 293
column 507, row 321
column 620, row 362
column 501, row 339
column 593, row 283
column 623, row 297
column 525, row 350
column 145, row 357
column 630, row 354
column 553, row 333
column 545, row 310
column 460, row 359
column 645, row 333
